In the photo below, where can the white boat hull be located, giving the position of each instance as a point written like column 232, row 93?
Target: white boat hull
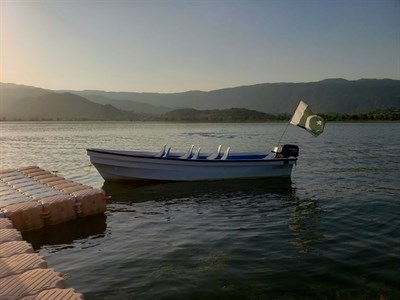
column 133, row 165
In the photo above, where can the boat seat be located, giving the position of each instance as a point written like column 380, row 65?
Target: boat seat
column 162, row 152
column 270, row 155
column 226, row 153
column 196, row 154
column 167, row 152
column 188, row 154
column 215, row 154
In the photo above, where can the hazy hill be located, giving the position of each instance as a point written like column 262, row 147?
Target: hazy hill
column 126, row 104
column 11, row 91
column 216, row 115
column 330, row 95
column 61, row 106
column 326, row 96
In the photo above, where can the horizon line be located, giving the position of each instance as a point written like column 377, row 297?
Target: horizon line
column 187, row 91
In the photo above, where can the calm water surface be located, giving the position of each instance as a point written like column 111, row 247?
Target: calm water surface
column 332, row 232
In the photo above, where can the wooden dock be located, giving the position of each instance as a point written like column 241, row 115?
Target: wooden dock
column 31, row 198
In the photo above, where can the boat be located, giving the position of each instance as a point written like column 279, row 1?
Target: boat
column 119, row 165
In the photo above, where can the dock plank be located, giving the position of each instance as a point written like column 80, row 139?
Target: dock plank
column 31, row 198
column 30, row 283
column 20, row 263
column 56, row 294
column 11, row 248
column 9, row 234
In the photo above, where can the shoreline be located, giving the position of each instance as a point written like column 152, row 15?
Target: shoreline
column 186, row 121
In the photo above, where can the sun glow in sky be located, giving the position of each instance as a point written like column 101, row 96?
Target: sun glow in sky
column 172, row 46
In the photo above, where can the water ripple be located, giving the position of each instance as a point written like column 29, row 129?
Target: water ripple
column 332, row 232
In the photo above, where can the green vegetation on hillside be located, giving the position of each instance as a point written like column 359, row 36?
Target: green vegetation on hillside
column 377, row 115
column 326, row 96
column 245, row 115
column 334, row 99
column 217, row 115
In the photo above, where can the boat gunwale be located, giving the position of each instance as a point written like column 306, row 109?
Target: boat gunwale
column 109, row 152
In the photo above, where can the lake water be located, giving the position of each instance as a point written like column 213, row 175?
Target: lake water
column 332, row 232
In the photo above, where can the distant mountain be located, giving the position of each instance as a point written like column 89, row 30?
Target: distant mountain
column 61, row 106
column 326, row 96
column 127, row 105
column 11, row 91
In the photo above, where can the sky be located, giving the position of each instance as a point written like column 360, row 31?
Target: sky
column 174, row 46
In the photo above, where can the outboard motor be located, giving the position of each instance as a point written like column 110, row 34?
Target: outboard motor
column 286, row 151
column 290, row 151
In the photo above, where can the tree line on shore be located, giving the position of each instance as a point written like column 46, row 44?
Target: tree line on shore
column 237, row 115
column 392, row 114
column 378, row 115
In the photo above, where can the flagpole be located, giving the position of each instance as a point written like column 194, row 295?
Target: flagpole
column 287, row 125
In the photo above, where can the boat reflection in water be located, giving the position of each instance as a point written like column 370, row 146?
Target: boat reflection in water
column 304, row 222
column 302, row 215
column 142, row 191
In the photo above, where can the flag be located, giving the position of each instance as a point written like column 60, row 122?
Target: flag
column 305, row 118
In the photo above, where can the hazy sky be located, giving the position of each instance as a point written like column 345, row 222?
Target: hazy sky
column 168, row 46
